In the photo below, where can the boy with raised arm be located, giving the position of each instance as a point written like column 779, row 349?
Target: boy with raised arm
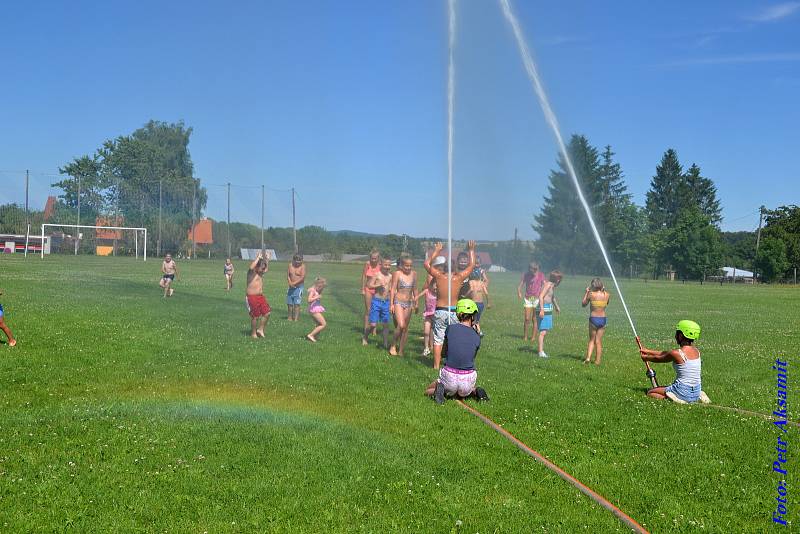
column 169, row 270
column 448, row 286
column 296, row 277
column 257, row 305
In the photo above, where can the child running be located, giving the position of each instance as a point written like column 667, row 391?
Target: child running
column 169, row 270
column 379, row 311
column 315, row 308
column 448, row 285
column 296, row 277
column 257, row 305
column 532, row 281
column 371, row 268
column 228, row 270
column 11, row 341
column 547, row 301
column 429, row 294
column 686, row 362
column 478, row 292
column 598, row 297
column 403, row 297
column 461, row 344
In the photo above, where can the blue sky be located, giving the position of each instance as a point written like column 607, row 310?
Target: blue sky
column 346, row 101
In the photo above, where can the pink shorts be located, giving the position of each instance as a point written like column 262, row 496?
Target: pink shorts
column 316, row 309
column 458, row 382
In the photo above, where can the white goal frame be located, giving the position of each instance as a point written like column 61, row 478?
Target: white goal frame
column 79, row 226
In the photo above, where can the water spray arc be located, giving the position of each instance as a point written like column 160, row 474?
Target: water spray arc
column 451, row 96
column 533, row 75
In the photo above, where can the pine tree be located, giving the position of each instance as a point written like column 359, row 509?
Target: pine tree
column 664, row 198
column 565, row 238
column 703, row 193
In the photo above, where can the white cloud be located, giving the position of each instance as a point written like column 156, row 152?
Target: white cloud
column 775, row 12
column 728, row 60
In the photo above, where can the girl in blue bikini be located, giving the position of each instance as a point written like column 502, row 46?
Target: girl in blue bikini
column 596, row 296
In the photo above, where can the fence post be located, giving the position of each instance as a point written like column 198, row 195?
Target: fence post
column 27, row 214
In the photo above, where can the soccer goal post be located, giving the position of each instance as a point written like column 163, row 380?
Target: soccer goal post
column 101, row 234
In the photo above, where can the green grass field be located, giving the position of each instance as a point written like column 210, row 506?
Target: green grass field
column 124, row 411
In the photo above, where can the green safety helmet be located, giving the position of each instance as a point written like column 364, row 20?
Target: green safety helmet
column 690, row 329
column 466, row 306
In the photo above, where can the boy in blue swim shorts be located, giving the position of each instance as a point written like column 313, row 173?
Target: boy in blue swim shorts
column 5, row 328
column 296, row 277
column 379, row 310
column 547, row 302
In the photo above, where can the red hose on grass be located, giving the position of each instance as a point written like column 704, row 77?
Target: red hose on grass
column 583, row 488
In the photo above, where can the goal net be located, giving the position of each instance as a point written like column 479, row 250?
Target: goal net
column 93, row 240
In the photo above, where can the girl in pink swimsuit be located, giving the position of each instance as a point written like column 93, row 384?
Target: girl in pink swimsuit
column 429, row 294
column 315, row 308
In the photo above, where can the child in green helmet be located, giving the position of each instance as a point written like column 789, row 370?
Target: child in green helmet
column 686, row 362
column 461, row 344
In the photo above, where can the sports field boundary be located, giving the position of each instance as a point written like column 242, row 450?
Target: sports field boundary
column 583, row 488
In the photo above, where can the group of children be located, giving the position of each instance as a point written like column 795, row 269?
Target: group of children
column 260, row 309
column 455, row 297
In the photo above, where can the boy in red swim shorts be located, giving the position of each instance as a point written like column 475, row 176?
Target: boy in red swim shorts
column 257, row 305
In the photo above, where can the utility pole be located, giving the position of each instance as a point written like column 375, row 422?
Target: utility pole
column 158, row 243
column 761, row 211
column 194, row 222
column 294, row 223
column 262, row 217
column 27, row 214
column 78, row 230
column 117, row 221
column 229, row 219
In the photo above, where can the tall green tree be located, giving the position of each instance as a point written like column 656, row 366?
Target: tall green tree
column 131, row 176
column 85, row 175
column 701, row 192
column 664, row 197
column 693, row 245
column 772, row 261
column 783, row 224
column 565, row 237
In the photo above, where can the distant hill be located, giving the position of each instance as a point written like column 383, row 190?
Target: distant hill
column 353, row 233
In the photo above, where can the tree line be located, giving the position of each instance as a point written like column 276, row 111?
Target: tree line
column 676, row 230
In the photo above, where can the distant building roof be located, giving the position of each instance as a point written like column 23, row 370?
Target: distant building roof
column 733, row 271
column 203, row 234
column 49, row 208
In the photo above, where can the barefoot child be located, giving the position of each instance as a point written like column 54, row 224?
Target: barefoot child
column 532, row 281
column 169, row 270
column 461, row 344
column 379, row 306
column 448, row 285
column 5, row 328
column 686, row 362
column 228, row 270
column 315, row 308
column 403, row 297
column 429, row 294
column 296, row 276
column 257, row 305
column 598, row 297
column 478, row 292
column 547, row 301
